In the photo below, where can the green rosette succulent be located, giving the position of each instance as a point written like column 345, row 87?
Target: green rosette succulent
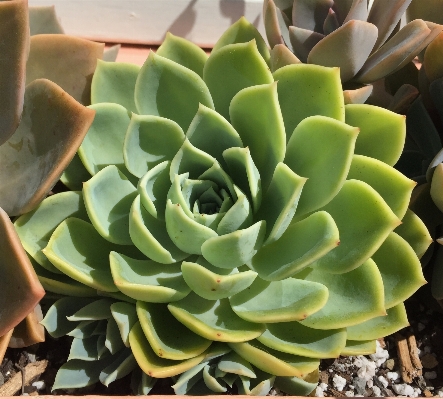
column 239, row 225
column 364, row 40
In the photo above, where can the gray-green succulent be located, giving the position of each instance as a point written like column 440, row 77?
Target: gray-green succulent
column 239, row 225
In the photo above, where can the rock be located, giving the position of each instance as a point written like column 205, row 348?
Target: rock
column 359, row 385
column 430, row 375
column 403, row 389
column 427, row 393
column 339, row 382
column 429, row 361
column 390, row 364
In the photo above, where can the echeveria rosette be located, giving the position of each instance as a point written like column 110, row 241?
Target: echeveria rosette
column 238, row 226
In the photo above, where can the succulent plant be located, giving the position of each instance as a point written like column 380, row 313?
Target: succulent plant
column 366, row 43
column 429, row 10
column 41, row 128
column 239, row 225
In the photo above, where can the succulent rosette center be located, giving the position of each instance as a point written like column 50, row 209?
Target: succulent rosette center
column 241, row 221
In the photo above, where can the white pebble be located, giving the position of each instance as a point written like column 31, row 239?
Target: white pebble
column 440, row 394
column 350, row 394
column 366, row 368
column 339, row 383
column 370, row 383
column 430, row 375
column 403, row 389
column 376, row 390
column 383, row 381
column 39, row 385
column 320, row 389
column 380, row 356
column 393, row 375
column 421, row 326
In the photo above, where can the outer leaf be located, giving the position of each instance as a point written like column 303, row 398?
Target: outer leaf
column 125, row 316
column 53, row 125
column 303, row 41
column 35, row 228
column 300, row 340
column 432, row 61
column 436, row 187
column 300, row 245
column 276, row 24
column 114, row 82
column 21, row 290
column 52, row 56
column 282, row 56
column 308, row 14
column 377, row 125
column 381, row 326
column 75, row 174
column 183, row 52
column 363, row 220
column 294, row 386
column 146, row 280
column 103, row 143
column 121, row 366
column 153, row 365
column 43, row 19
column 214, row 320
column 307, row 90
column 243, row 31
column 235, row 364
column 169, row 338
column 211, row 381
column 279, row 301
column 368, row 299
column 108, row 198
column 309, row 154
column 356, row 348
column 165, row 88
column 256, row 115
column 149, row 141
column 231, row 69
column 14, row 49
column 348, row 47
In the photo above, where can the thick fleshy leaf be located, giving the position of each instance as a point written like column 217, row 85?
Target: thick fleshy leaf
column 324, row 88
column 150, row 236
column 211, row 381
column 356, row 348
column 309, row 154
column 256, row 115
column 308, row 14
column 114, row 82
column 35, row 228
column 235, row 364
column 231, row 69
column 146, row 280
column 414, row 231
column 400, row 270
column 183, row 52
column 188, row 379
column 377, row 125
column 381, row 326
column 84, row 329
column 259, row 386
column 300, row 245
column 169, row 338
column 274, row 362
column 279, row 301
column 53, row 125
column 75, row 174
column 359, row 95
column 125, row 316
column 121, row 366
column 103, row 143
column 43, row 19
column 236, row 248
column 100, row 309
column 276, row 24
column 77, row 250
column 437, row 274
column 392, row 185
column 149, row 141
column 84, row 349
column 170, row 90
column 368, row 299
column 436, row 187
column 111, row 53
column 432, row 61
column 14, row 48
column 397, row 52
column 294, row 386
column 243, row 31
column 363, row 220
column 348, row 47
column 20, row 287
column 55, row 321
column 108, row 198
column 214, row 320
column 300, row 340
column 282, row 56
column 212, row 133
column 65, row 60
column 152, row 364
column 210, row 285
column 303, row 41
column 244, row 173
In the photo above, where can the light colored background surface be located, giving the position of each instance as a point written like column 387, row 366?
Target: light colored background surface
column 147, row 21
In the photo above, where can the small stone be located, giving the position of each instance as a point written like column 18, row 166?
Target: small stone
column 39, row 385
column 403, row 389
column 430, row 375
column 376, row 390
column 339, row 382
column 427, row 393
column 429, row 361
column 360, row 385
column 393, row 375
column 440, row 394
column 350, row 394
column 383, row 381
column 390, row 364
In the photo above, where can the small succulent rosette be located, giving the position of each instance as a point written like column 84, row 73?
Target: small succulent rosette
column 239, row 225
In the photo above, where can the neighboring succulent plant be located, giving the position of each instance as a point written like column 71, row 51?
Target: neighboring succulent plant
column 429, row 10
column 40, row 130
column 238, row 227
column 367, row 45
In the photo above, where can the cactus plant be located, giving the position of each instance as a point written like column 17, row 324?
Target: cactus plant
column 239, row 225
column 41, row 128
column 367, row 44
